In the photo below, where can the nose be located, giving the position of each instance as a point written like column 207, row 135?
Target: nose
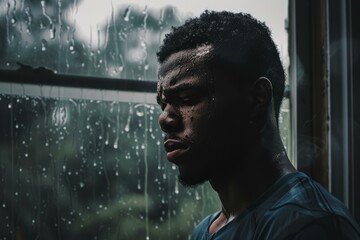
column 169, row 119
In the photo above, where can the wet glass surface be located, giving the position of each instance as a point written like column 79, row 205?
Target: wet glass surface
column 94, row 169
column 90, row 169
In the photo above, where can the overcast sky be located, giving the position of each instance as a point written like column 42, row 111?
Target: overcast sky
column 272, row 12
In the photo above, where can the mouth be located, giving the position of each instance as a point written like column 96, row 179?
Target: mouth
column 174, row 149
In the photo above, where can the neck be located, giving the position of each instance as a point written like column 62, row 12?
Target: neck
column 261, row 168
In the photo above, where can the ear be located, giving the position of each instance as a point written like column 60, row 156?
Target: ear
column 262, row 94
column 262, row 91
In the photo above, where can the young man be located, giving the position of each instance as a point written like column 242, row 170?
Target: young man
column 220, row 87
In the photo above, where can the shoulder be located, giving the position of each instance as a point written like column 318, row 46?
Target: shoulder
column 328, row 228
column 304, row 208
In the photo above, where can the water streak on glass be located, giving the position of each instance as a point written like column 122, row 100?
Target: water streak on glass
column 52, row 28
column 127, row 14
column 88, row 169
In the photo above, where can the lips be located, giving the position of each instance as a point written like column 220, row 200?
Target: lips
column 174, row 148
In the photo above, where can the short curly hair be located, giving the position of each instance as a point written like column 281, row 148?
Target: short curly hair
column 238, row 40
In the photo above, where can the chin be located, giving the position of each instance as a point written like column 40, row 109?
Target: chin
column 191, row 176
column 191, row 181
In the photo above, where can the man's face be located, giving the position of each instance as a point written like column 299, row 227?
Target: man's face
column 195, row 140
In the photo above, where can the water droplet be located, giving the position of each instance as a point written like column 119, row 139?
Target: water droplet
column 94, row 164
column 33, row 221
column 146, row 67
column 52, row 31
column 176, row 187
column 116, row 143
column 138, row 185
column 43, row 45
column 3, row 205
column 9, row 106
column 26, row 155
column 81, row 184
column 13, row 20
column 127, row 14
column 197, row 196
column 44, row 169
column 139, row 112
column 127, row 128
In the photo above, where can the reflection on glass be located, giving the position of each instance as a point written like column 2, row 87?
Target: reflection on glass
column 90, row 169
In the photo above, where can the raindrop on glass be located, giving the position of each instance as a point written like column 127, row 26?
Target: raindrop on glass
column 43, row 45
column 127, row 128
column 13, row 20
column 52, row 31
column 139, row 112
column 176, row 187
column 127, row 14
column 197, row 196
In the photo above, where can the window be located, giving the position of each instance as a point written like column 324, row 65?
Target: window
column 82, row 153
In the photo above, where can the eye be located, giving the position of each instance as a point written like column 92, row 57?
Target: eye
column 189, row 100
column 160, row 102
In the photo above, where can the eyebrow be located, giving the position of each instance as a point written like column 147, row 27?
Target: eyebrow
column 178, row 89
column 182, row 87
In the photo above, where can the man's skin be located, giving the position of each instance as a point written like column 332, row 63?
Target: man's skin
column 219, row 131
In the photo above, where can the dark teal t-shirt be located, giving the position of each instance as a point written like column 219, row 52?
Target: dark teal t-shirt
column 295, row 207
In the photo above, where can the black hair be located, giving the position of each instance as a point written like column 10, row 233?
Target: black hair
column 239, row 41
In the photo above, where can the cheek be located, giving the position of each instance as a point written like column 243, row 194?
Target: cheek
column 196, row 119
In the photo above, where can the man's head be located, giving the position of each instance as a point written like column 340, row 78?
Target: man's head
column 216, row 77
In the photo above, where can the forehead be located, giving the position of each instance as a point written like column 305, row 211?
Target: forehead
column 186, row 65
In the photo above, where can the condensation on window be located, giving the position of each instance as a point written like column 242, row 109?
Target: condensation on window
column 90, row 169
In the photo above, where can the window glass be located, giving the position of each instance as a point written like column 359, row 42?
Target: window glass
column 90, row 169
column 114, row 39
column 77, row 167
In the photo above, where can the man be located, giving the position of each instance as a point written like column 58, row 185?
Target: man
column 220, row 87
